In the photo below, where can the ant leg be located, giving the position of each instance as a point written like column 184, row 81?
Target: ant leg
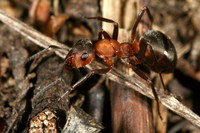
column 116, row 27
column 161, row 78
column 163, row 84
column 138, row 19
column 92, row 72
column 104, row 34
column 142, row 75
column 37, row 58
column 143, row 47
column 41, row 53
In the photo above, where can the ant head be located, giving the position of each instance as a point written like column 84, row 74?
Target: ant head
column 81, row 54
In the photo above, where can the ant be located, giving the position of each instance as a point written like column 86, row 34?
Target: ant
column 154, row 50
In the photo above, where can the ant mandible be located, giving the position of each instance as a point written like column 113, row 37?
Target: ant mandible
column 154, row 50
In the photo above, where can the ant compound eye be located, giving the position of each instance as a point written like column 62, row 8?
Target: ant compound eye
column 84, row 56
column 68, row 65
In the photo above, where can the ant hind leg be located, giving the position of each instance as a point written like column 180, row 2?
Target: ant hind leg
column 148, row 80
column 143, row 48
column 156, row 62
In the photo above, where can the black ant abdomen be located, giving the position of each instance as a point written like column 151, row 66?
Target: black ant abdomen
column 163, row 58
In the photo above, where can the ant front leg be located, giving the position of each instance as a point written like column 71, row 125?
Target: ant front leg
column 148, row 80
column 41, row 53
column 116, row 27
column 92, row 72
column 138, row 19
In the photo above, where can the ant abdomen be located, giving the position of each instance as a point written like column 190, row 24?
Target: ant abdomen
column 163, row 58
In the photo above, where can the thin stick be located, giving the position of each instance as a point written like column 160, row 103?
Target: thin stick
column 133, row 82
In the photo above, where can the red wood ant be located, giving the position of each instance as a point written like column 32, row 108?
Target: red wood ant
column 154, row 50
